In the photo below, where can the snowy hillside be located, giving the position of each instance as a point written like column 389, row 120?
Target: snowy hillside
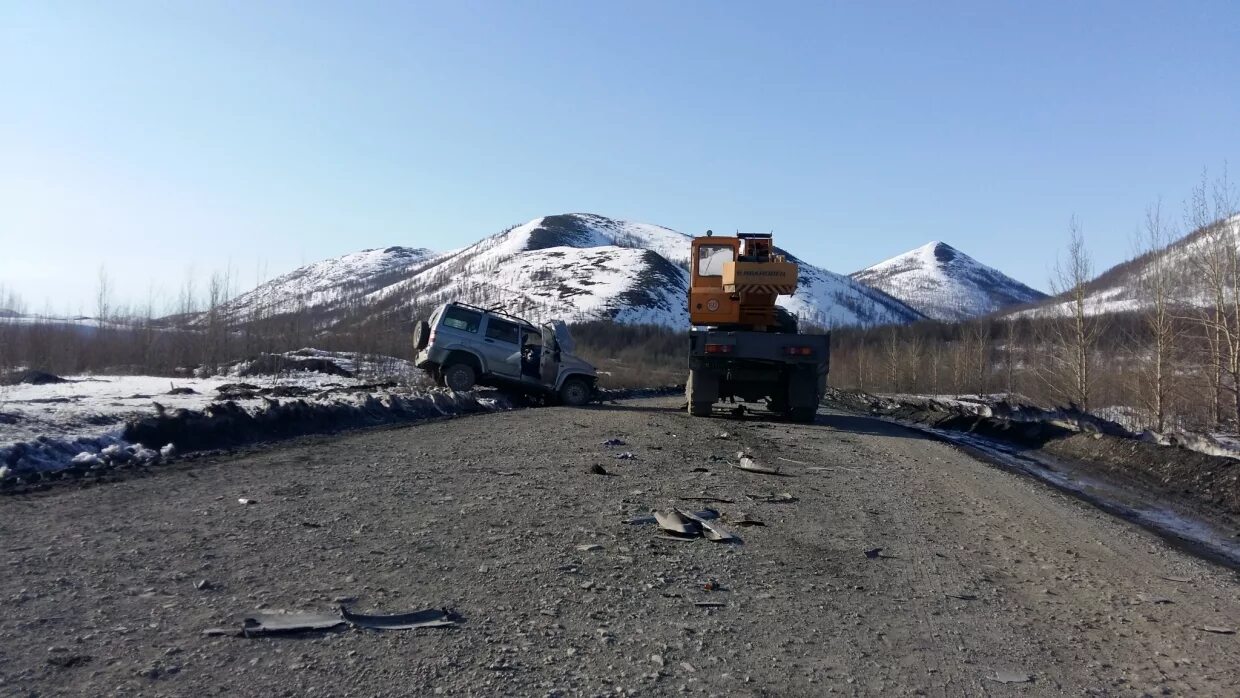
column 571, row 266
column 946, row 284
column 1119, row 289
column 329, row 283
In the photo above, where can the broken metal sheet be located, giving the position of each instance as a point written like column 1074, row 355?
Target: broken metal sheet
column 429, row 618
column 219, row 632
column 709, row 604
column 962, row 597
column 1219, row 630
column 748, row 464
column 712, row 531
column 707, row 514
column 773, row 497
column 874, row 553
column 673, row 521
column 1012, row 677
column 587, row 547
column 279, row 623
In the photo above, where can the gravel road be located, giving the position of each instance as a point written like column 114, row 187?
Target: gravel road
column 984, row 577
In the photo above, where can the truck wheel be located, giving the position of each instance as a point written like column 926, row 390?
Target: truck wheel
column 803, row 415
column 421, row 335
column 460, row 377
column 575, row 392
column 696, row 408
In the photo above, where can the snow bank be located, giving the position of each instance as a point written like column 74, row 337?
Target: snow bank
column 152, row 439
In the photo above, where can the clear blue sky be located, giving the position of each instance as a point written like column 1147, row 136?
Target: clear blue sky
column 156, row 137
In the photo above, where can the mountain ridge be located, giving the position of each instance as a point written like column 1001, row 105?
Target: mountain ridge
column 946, row 284
column 576, row 266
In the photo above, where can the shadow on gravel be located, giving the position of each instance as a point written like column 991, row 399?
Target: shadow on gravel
column 868, row 425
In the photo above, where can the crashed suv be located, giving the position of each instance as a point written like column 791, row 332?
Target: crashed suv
column 462, row 345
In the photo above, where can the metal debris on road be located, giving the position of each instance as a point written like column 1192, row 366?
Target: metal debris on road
column 614, row 442
column 712, row 531
column 647, row 520
column 627, row 455
column 429, row 618
column 587, row 547
column 962, row 597
column 202, row 585
column 261, row 624
column 706, row 498
column 748, row 464
column 1011, row 677
column 1219, row 630
column 709, row 604
column 673, row 521
column 773, row 498
column 873, row 553
column 243, row 500
column 597, row 469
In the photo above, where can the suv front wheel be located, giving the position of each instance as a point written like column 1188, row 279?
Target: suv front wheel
column 575, row 392
column 460, row 377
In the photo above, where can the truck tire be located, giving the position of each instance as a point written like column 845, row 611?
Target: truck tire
column 698, row 408
column 575, row 392
column 803, row 415
column 421, row 335
column 460, row 376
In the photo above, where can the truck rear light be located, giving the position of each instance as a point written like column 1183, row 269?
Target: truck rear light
column 799, row 351
column 718, row 348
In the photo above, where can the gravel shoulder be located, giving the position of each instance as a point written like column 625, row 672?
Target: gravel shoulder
column 983, row 574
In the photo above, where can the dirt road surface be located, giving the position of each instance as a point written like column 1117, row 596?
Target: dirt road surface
column 984, row 577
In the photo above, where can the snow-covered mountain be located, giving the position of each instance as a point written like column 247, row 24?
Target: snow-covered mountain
column 572, row 266
column 329, row 283
column 946, row 284
column 1185, row 261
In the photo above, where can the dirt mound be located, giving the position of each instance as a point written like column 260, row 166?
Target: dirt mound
column 274, row 364
column 1103, row 446
column 30, row 377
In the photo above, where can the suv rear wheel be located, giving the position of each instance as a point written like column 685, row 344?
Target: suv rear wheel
column 575, row 392
column 460, row 376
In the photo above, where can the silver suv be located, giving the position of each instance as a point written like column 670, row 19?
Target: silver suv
column 462, row 345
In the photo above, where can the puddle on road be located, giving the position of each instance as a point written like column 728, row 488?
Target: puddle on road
column 1199, row 536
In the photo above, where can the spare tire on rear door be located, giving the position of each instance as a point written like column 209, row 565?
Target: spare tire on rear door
column 421, row 335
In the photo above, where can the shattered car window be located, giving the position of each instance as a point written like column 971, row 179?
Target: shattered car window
column 462, row 319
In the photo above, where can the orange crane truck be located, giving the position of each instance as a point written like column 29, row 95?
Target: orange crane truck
column 742, row 346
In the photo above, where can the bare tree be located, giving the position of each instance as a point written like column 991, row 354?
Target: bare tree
column 1216, row 269
column 103, row 296
column 891, row 347
column 1072, row 342
column 1157, row 286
